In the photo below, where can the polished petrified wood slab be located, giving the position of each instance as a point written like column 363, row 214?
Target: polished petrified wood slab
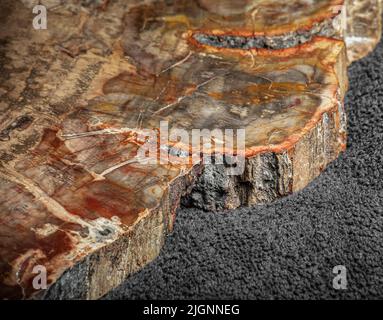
column 218, row 86
column 76, row 99
column 274, row 24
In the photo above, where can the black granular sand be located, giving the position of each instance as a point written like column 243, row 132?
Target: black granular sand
column 288, row 249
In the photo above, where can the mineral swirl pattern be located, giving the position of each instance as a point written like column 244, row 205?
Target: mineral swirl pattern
column 77, row 197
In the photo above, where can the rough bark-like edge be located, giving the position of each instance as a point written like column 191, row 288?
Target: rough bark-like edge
column 271, row 175
column 267, row 176
column 106, row 268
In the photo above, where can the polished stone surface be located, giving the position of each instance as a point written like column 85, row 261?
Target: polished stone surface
column 77, row 97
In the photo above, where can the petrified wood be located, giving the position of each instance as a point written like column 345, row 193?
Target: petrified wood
column 275, row 24
column 218, row 86
column 266, row 23
column 77, row 98
column 364, row 27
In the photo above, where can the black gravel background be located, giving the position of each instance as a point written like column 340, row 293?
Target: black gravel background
column 287, row 250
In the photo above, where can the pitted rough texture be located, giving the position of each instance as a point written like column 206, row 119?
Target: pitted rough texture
column 288, row 249
column 328, row 28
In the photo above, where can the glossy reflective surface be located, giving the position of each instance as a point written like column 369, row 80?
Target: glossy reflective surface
column 71, row 183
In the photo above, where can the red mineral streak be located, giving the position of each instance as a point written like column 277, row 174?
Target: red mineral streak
column 77, row 190
column 265, row 18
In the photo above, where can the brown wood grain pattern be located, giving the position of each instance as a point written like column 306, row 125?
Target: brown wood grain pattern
column 76, row 97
